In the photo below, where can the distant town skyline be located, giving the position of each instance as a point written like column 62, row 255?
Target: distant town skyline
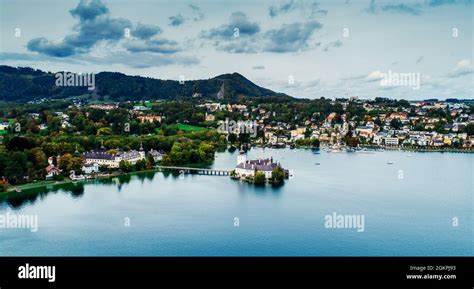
column 306, row 49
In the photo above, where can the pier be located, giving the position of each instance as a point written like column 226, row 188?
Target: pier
column 199, row 171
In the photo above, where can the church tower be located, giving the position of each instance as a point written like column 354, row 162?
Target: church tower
column 241, row 158
column 141, row 151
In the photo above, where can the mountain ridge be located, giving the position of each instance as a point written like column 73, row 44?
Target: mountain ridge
column 27, row 84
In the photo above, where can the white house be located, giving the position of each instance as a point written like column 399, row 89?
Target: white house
column 157, row 155
column 391, row 141
column 90, row 168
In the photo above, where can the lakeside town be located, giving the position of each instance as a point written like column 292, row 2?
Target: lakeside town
column 76, row 139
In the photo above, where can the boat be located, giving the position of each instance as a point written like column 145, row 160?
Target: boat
column 317, row 164
column 389, row 163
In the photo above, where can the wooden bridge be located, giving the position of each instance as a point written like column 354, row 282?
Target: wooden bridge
column 200, row 171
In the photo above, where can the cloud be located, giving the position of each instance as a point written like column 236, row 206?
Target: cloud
column 195, row 15
column 89, row 10
column 238, row 23
column 14, row 56
column 143, row 31
column 86, row 35
column 58, row 49
column 337, row 43
column 141, row 59
column 413, row 9
column 135, row 60
column 285, row 7
column 242, row 35
column 163, row 46
column 463, row 67
column 96, row 26
column 435, row 3
column 238, row 45
column 312, row 7
column 291, row 37
column 194, row 7
column 176, row 20
column 373, row 76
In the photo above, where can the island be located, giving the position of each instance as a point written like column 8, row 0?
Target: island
column 259, row 171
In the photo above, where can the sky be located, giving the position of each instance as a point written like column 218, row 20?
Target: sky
column 305, row 48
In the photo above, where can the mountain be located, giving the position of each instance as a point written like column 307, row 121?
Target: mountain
column 25, row 84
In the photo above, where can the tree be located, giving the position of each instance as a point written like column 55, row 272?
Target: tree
column 140, row 165
column 278, row 175
column 315, row 142
column 16, row 167
column 259, row 178
column 3, row 186
column 125, row 166
column 68, row 163
column 232, row 138
column 469, row 129
column 396, row 123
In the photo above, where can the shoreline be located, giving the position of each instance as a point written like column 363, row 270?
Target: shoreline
column 416, row 149
column 24, row 188
column 12, row 191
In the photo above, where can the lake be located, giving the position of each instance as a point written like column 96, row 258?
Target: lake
column 420, row 204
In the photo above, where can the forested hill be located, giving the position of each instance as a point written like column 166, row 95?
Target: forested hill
column 25, row 84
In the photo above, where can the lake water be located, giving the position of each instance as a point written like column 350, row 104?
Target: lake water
column 422, row 204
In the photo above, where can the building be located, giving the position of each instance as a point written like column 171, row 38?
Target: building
column 103, row 107
column 248, row 168
column 157, row 155
column 149, row 118
column 90, row 168
column 52, row 171
column 210, row 117
column 141, row 108
column 364, row 131
column 112, row 160
column 391, row 141
column 377, row 139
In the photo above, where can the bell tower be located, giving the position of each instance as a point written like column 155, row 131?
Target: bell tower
column 241, row 158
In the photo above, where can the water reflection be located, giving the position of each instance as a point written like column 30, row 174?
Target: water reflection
column 29, row 197
column 76, row 189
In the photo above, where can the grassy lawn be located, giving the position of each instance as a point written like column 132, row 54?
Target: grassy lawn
column 148, row 103
column 187, row 127
column 38, row 184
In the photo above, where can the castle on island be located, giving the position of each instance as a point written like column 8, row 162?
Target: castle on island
column 248, row 168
